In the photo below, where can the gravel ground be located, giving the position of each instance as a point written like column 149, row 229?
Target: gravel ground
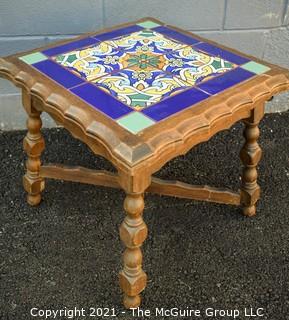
column 66, row 252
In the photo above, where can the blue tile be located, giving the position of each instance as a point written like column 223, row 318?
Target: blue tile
column 117, row 33
column 70, row 46
column 226, row 55
column 101, row 100
column 58, row 73
column 226, row 80
column 176, row 35
column 170, row 106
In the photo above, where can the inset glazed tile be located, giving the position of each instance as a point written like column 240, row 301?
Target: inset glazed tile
column 57, row 73
column 141, row 88
column 33, row 58
column 148, row 24
column 255, row 67
column 135, row 122
column 226, row 80
column 222, row 53
column 143, row 73
column 93, row 62
column 174, row 104
column 194, row 66
column 70, row 46
column 176, row 35
column 146, row 41
column 145, row 61
column 101, row 100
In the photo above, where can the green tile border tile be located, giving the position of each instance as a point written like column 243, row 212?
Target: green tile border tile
column 135, row 122
column 33, row 57
column 255, row 67
column 148, row 24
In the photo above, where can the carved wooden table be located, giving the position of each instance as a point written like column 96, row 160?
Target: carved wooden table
column 139, row 95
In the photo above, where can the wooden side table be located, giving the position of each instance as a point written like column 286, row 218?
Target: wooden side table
column 139, row 95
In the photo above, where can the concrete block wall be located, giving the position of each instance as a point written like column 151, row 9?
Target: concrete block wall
column 256, row 27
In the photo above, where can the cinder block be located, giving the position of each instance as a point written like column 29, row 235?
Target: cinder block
column 250, row 42
column 6, row 87
column 33, row 17
column 11, row 45
column 57, row 38
column 280, row 103
column 277, row 47
column 188, row 14
column 13, row 116
column 246, row 14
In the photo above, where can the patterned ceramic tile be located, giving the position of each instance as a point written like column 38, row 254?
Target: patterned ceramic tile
column 220, row 52
column 143, row 73
column 141, row 88
column 194, row 66
column 94, row 62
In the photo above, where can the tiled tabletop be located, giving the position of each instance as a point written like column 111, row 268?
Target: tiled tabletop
column 144, row 73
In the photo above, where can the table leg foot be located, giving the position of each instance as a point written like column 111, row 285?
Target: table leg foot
column 133, row 232
column 131, row 302
column 250, row 155
column 33, row 200
column 33, row 145
column 249, row 211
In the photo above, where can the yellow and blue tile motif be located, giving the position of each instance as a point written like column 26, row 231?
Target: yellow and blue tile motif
column 94, row 62
column 141, row 88
column 194, row 66
column 143, row 73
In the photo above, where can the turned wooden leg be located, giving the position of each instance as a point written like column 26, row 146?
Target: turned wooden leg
column 33, row 145
column 133, row 232
column 250, row 155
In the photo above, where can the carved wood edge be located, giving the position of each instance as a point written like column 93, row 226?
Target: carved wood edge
column 99, row 137
column 200, row 128
column 155, row 150
column 158, row 186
